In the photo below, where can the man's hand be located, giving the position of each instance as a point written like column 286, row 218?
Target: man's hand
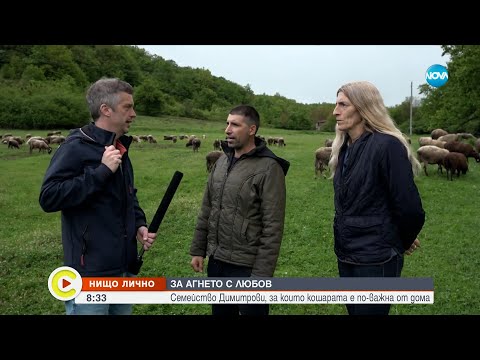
column 197, row 263
column 145, row 238
column 112, row 158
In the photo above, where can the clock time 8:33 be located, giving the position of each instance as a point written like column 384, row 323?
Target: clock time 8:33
column 96, row 297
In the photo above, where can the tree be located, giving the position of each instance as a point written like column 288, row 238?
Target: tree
column 117, row 61
column 149, row 98
column 455, row 106
column 56, row 61
column 33, row 72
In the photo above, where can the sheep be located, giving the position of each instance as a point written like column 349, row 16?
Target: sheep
column 196, row 144
column 466, row 149
column 322, row 157
column 12, row 143
column 328, row 143
column 437, row 133
column 429, row 141
column 281, row 142
column 170, row 137
column 449, row 137
column 477, row 145
column 190, row 140
column 430, row 154
column 466, row 136
column 18, row 139
column 425, row 140
column 55, row 139
column 438, row 143
column 212, row 158
column 270, row 140
column 151, row 139
column 36, row 138
column 40, row 145
column 216, row 144
column 455, row 161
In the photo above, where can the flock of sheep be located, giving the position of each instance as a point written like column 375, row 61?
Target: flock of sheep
column 448, row 151
column 212, row 156
column 34, row 142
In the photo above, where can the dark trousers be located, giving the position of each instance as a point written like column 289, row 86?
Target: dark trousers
column 218, row 268
column 391, row 268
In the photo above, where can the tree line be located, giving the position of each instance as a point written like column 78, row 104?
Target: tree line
column 43, row 86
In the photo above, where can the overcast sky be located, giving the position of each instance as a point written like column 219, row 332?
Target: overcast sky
column 311, row 73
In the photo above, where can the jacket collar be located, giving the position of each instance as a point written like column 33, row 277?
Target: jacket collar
column 230, row 152
column 260, row 150
column 103, row 137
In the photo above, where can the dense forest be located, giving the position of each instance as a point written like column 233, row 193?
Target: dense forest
column 43, row 87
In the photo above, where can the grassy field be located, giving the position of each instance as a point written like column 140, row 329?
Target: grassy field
column 30, row 240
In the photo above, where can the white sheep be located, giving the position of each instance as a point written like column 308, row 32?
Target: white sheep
column 40, row 145
column 425, row 140
column 449, row 137
column 437, row 133
column 430, row 154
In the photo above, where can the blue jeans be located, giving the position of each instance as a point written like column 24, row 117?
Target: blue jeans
column 99, row 309
column 392, row 268
column 218, row 268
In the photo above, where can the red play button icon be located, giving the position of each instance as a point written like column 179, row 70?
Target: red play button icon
column 65, row 283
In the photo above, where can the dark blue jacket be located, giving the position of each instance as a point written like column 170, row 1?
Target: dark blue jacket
column 100, row 210
column 377, row 204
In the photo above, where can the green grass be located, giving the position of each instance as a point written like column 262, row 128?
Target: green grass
column 30, row 239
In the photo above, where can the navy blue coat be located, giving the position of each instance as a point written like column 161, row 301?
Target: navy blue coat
column 377, row 204
column 100, row 210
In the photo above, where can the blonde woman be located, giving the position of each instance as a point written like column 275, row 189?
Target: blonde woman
column 378, row 210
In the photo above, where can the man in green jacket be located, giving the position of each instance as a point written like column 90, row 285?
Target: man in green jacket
column 240, row 224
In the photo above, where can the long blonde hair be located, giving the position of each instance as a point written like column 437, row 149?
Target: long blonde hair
column 367, row 100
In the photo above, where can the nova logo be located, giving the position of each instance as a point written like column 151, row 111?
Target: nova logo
column 436, row 75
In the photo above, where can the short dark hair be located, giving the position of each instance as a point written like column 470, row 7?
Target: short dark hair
column 250, row 113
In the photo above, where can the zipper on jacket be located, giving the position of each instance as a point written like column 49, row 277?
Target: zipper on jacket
column 225, row 176
column 84, row 246
column 124, row 206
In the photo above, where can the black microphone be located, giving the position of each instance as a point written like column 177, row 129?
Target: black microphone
column 159, row 215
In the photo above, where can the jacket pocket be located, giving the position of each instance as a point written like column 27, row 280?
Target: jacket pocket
column 363, row 221
column 362, row 233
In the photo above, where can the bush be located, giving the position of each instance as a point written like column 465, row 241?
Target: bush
column 45, row 105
